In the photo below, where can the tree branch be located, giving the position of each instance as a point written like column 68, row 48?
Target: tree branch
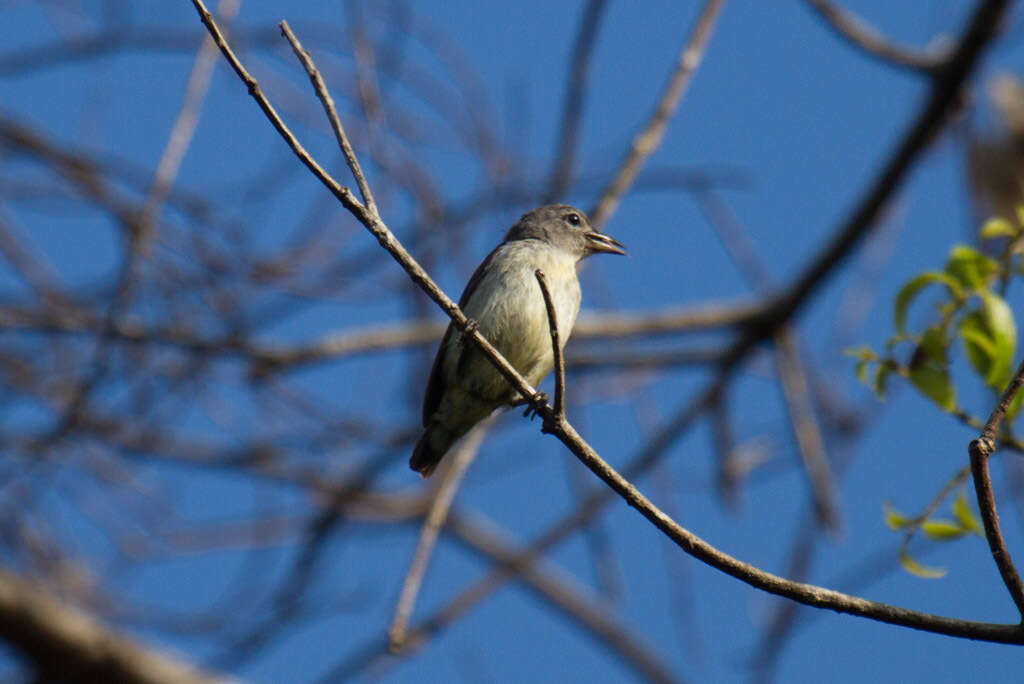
column 556, row 347
column 870, row 41
column 980, row 449
column 64, row 644
column 432, row 524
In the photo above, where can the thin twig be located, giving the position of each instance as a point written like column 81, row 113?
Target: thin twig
column 556, row 347
column 980, row 449
column 869, row 40
column 332, row 115
column 648, row 140
column 432, row 524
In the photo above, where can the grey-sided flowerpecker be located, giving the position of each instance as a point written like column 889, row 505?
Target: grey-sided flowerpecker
column 505, row 300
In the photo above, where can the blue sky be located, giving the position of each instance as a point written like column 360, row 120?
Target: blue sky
column 780, row 101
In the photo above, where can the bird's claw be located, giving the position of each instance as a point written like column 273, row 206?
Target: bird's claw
column 538, row 402
column 471, row 326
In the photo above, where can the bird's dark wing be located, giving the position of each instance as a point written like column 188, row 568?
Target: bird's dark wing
column 435, row 388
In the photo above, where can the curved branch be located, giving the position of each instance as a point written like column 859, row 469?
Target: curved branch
column 870, row 41
column 980, row 449
column 64, row 644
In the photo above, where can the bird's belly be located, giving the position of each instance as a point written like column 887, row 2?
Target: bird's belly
column 516, row 323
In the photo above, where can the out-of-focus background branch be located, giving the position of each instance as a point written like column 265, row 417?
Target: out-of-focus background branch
column 210, row 375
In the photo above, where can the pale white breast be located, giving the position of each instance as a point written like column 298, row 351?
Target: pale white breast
column 509, row 306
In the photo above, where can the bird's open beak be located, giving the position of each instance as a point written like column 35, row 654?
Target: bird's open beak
column 599, row 242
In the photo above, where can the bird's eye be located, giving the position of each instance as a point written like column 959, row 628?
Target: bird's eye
column 573, row 219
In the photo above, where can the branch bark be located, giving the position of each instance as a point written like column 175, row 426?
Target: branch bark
column 980, row 449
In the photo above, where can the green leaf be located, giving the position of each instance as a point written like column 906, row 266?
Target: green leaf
column 965, row 516
column 894, row 520
column 997, row 227
column 881, row 377
column 862, row 371
column 862, row 353
column 1000, row 323
column 932, row 347
column 990, row 340
column 942, row 529
column 934, row 383
column 978, row 344
column 915, row 568
column 907, row 293
column 971, row 268
column 928, row 371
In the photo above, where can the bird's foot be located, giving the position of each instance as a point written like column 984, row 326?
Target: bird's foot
column 471, row 326
column 536, row 404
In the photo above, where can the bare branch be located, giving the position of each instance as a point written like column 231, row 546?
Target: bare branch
column 432, row 524
column 980, row 449
column 572, row 106
column 332, row 115
column 556, row 347
column 65, row 644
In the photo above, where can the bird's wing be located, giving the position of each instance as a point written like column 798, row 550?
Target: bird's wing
column 435, row 385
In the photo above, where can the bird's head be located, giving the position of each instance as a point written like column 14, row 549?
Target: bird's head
column 564, row 227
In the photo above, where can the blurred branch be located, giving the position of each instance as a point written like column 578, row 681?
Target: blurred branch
column 64, row 644
column 649, row 139
column 463, row 457
column 184, row 126
column 793, row 380
column 943, row 99
column 870, row 41
column 572, row 104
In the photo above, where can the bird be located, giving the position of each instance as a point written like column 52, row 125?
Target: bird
column 505, row 301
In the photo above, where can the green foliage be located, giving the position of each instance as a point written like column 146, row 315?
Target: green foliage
column 915, row 568
column 962, row 522
column 965, row 516
column 969, row 313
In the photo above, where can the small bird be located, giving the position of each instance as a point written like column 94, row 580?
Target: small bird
column 505, row 300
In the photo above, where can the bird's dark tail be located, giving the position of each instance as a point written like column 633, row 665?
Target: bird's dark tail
column 425, row 457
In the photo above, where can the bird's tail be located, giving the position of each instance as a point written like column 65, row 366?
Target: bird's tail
column 426, row 456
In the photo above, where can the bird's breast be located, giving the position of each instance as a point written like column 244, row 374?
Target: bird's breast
column 509, row 306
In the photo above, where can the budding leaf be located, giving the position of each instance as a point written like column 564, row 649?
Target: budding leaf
column 997, row 227
column 894, row 520
column 942, row 529
column 915, row 568
column 971, row 268
column 965, row 516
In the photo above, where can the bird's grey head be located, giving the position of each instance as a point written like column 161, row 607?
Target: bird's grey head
column 564, row 227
